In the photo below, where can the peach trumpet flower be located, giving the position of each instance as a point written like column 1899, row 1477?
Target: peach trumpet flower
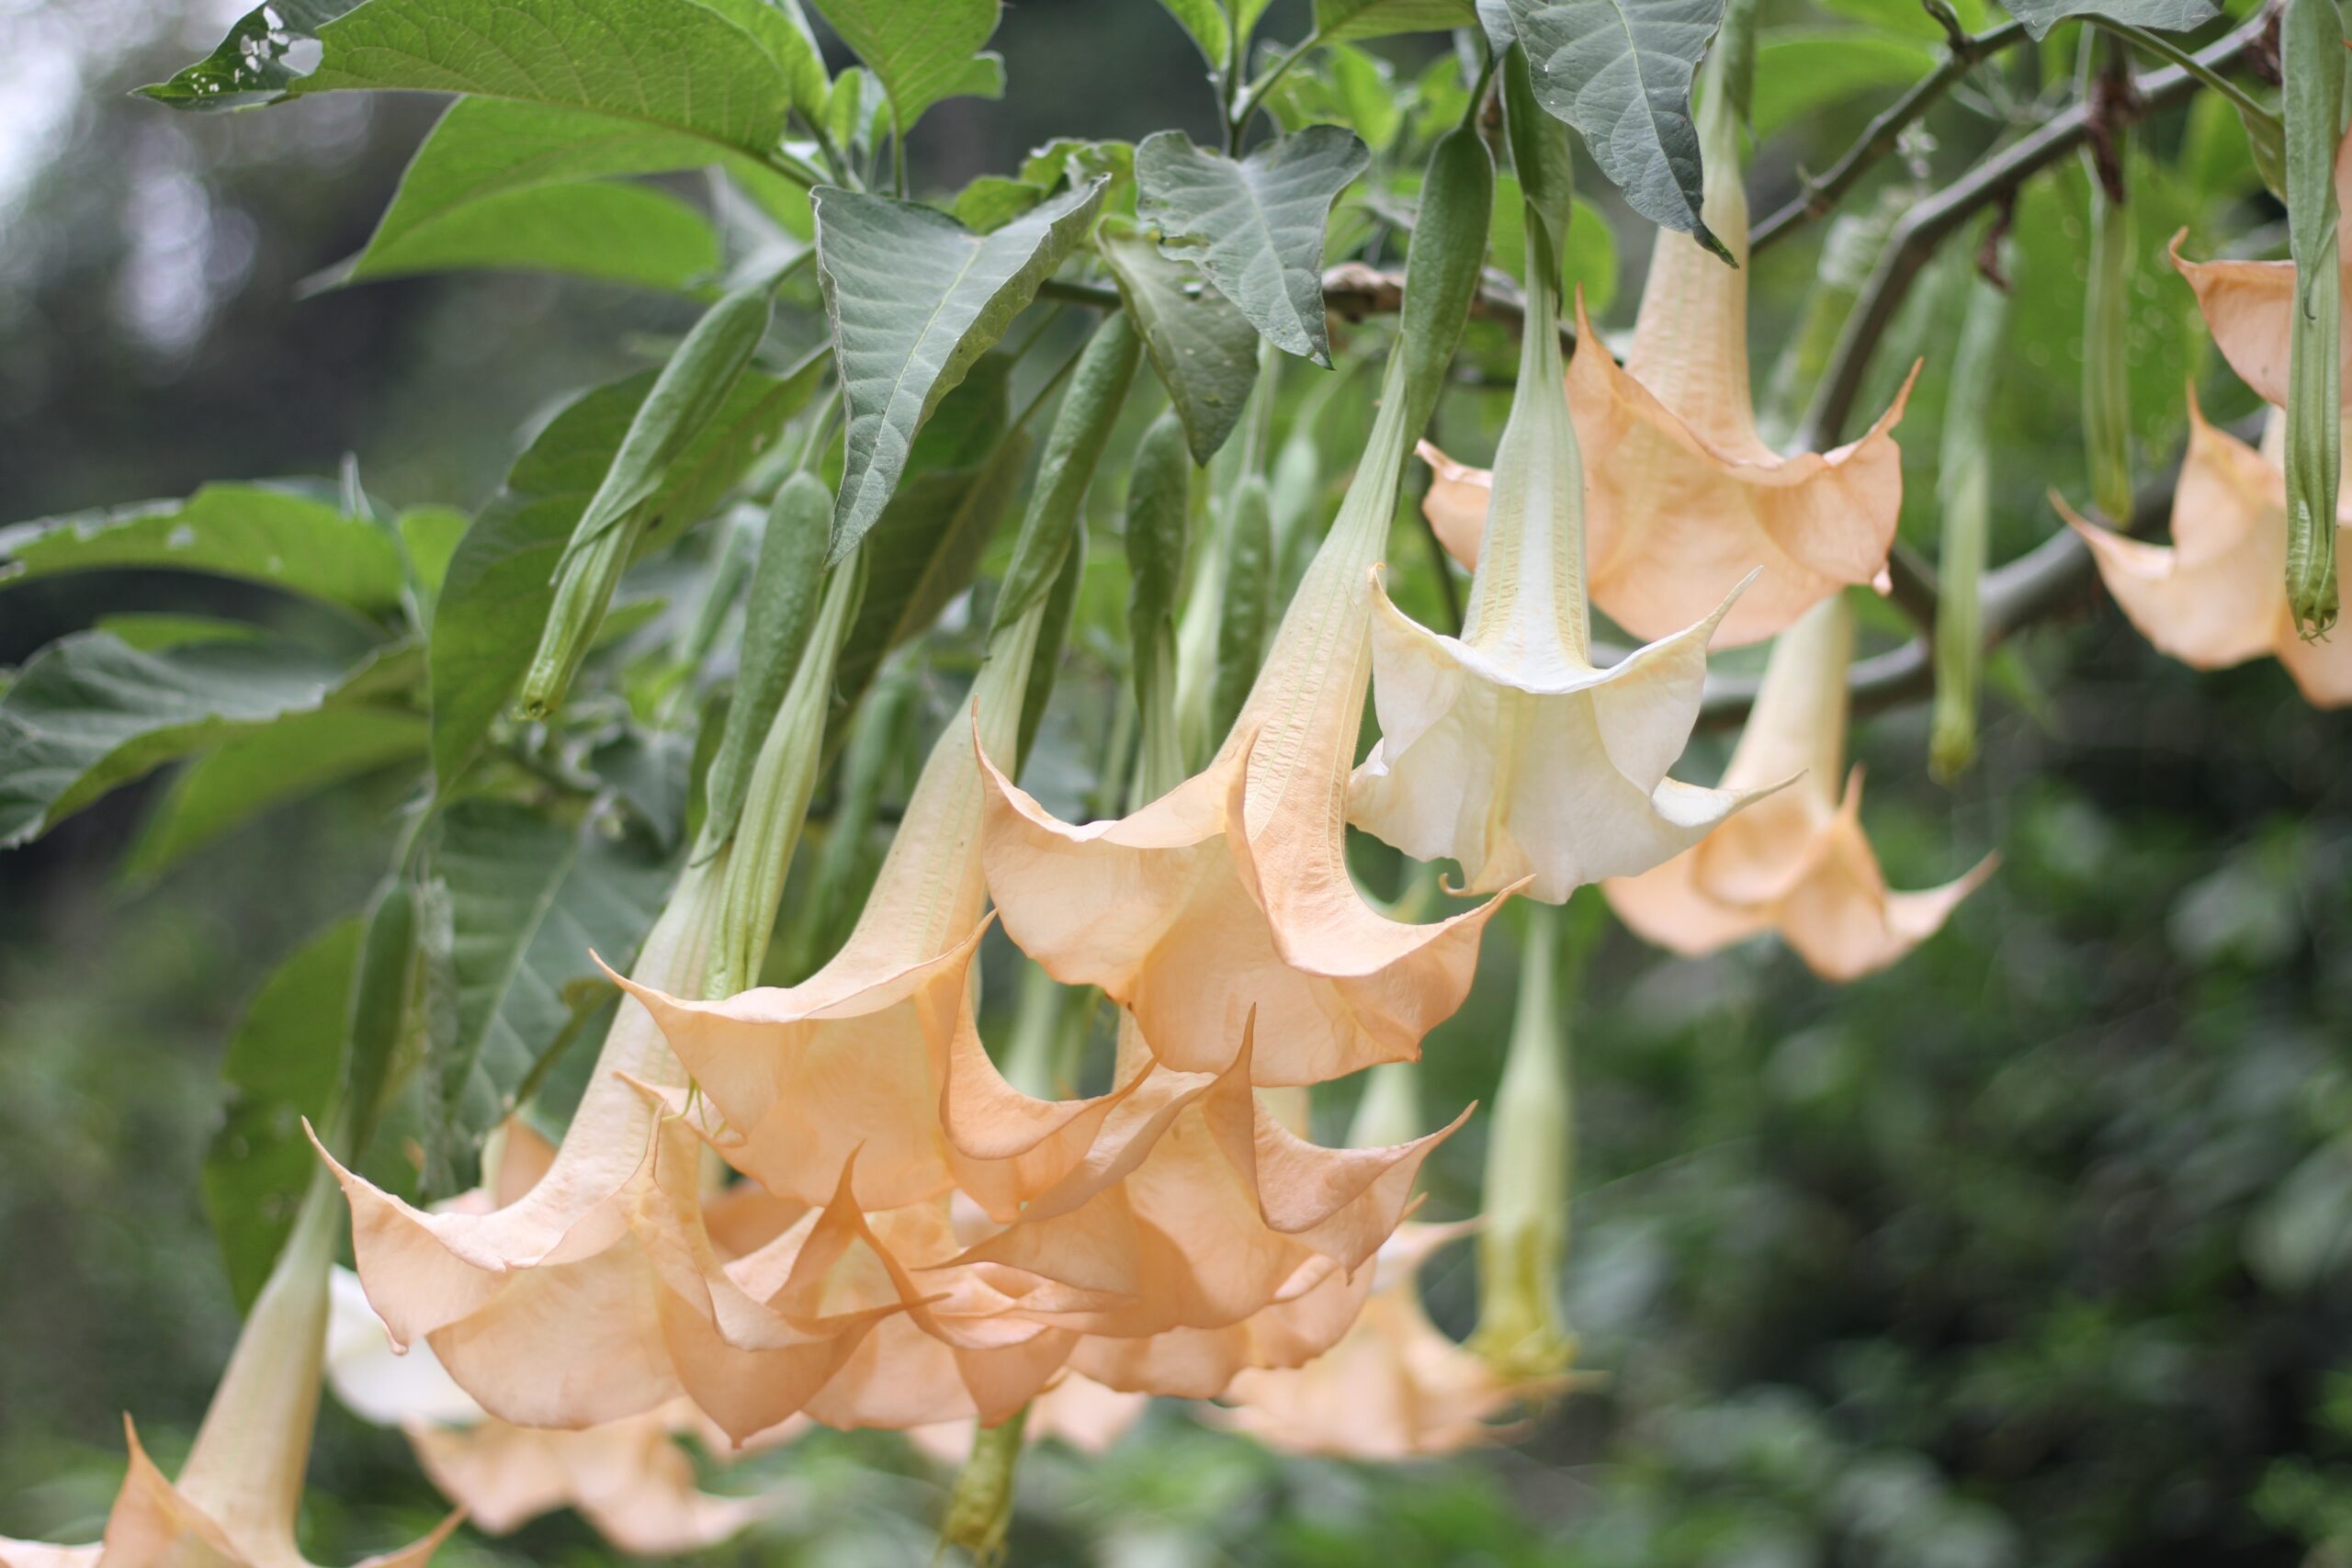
column 1225, row 1239
column 2216, row 596
column 1507, row 749
column 627, row 1478
column 599, row 1293
column 234, row 1502
column 1683, row 499
column 1799, row 862
column 876, row 1053
column 2249, row 306
column 1229, row 893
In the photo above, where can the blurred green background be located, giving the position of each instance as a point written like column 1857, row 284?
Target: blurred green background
column 2032, row 1251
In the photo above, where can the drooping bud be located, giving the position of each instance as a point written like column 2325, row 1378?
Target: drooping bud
column 2107, row 298
column 1522, row 1328
column 1964, row 484
column 2312, row 47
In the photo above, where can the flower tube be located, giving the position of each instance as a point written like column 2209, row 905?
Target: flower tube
column 235, row 1502
column 2249, row 306
column 1684, row 498
column 1798, row 863
column 1507, row 749
column 2216, row 596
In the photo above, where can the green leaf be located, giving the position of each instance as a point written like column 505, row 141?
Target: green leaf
column 282, row 1065
column 1542, row 169
column 785, row 586
column 91, row 712
column 1337, row 19
column 490, row 165
column 1255, row 225
column 915, row 298
column 151, row 631
column 675, row 63
column 1802, row 70
column 298, row 754
column 1070, row 163
column 528, row 901
column 1620, row 71
column 1204, row 350
column 254, row 532
column 251, row 66
column 430, row 535
column 2164, row 16
column 1589, row 261
column 1204, row 22
column 920, row 51
column 992, row 201
column 494, row 600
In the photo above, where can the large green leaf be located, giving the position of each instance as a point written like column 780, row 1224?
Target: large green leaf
column 90, row 713
column 2165, row 15
column 255, row 532
column 1255, row 224
column 509, row 184
column 527, row 900
column 281, row 1065
column 1336, row 19
column 667, row 62
column 916, row 298
column 494, row 600
column 1203, row 348
column 920, row 51
column 1620, row 72
column 300, row 753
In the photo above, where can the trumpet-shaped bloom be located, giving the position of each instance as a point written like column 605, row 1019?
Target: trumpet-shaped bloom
column 1393, row 1388
column 2249, row 306
column 1505, row 748
column 876, row 1053
column 2217, row 595
column 1221, row 1239
column 1683, row 498
column 234, row 1502
column 627, row 1478
column 598, row 1293
column 1230, row 894
column 1797, row 862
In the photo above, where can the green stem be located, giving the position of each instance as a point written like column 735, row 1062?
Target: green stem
column 2172, row 54
column 1239, row 121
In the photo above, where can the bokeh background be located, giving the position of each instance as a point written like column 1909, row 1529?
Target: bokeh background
column 2032, row 1251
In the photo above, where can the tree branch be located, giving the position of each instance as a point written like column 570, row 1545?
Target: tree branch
column 1822, row 195
column 1930, row 224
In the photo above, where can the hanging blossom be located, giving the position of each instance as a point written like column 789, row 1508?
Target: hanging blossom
column 1799, row 862
column 1505, row 748
column 599, row 1293
column 235, row 1500
column 1229, row 894
column 627, row 1478
column 1684, row 500
column 2249, row 306
column 1394, row 1386
column 1225, row 1239
column 2216, row 596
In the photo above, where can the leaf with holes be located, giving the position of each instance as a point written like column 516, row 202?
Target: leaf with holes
column 1620, row 72
column 915, row 300
column 258, row 533
column 1254, row 225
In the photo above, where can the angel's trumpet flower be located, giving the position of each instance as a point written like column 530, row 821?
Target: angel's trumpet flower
column 1505, row 748
column 628, row 1478
column 1683, row 498
column 1797, row 862
column 598, row 1293
column 2249, row 306
column 234, row 1502
column 1394, row 1386
column 1230, row 892
column 2216, row 596
column 1226, row 1240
